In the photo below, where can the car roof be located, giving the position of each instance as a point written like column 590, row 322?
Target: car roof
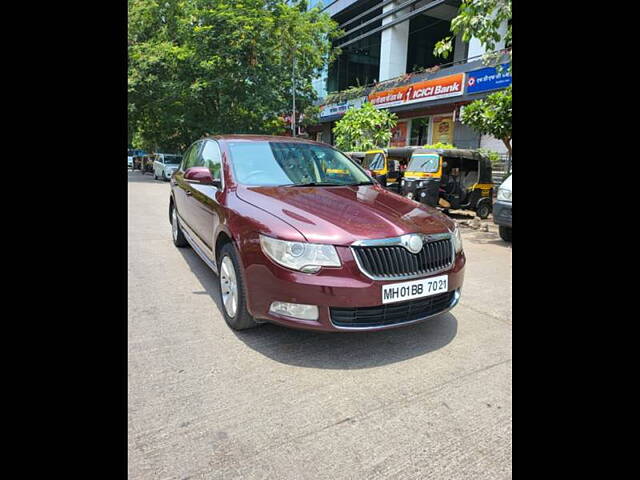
column 263, row 138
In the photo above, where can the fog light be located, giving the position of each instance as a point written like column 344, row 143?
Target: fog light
column 296, row 310
column 423, row 194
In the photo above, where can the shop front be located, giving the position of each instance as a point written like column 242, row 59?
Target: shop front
column 428, row 109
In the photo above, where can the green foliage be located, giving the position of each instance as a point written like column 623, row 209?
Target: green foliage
column 344, row 95
column 491, row 115
column 220, row 66
column 494, row 157
column 480, row 19
column 439, row 145
column 310, row 116
column 364, row 128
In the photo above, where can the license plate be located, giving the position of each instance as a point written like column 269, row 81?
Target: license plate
column 397, row 292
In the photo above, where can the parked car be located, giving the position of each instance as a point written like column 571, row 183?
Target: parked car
column 165, row 164
column 297, row 245
column 130, row 162
column 502, row 210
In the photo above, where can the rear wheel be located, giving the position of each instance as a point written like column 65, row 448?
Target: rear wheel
column 483, row 210
column 176, row 232
column 232, row 290
column 505, row 233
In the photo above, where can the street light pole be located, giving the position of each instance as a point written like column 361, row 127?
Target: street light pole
column 293, row 87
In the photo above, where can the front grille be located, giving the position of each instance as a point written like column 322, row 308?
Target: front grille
column 391, row 313
column 396, row 262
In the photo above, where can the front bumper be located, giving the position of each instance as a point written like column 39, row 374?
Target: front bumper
column 345, row 287
column 502, row 213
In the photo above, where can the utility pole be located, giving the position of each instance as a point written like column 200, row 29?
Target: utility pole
column 293, row 88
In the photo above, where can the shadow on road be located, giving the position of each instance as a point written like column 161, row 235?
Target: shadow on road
column 349, row 351
column 334, row 350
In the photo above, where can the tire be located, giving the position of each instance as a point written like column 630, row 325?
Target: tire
column 176, row 232
column 505, row 233
column 483, row 210
column 230, row 278
column 155, row 177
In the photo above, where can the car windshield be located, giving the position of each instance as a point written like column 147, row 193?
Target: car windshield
column 172, row 159
column 292, row 164
column 424, row 163
column 373, row 161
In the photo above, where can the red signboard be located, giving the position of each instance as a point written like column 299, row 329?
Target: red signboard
column 443, row 87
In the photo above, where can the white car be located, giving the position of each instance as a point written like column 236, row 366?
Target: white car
column 165, row 164
column 130, row 162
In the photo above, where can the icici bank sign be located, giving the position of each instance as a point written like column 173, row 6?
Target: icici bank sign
column 443, row 87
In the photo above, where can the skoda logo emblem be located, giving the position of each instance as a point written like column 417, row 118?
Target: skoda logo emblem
column 414, row 245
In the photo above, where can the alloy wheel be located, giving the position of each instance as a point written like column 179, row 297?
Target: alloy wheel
column 174, row 224
column 229, row 286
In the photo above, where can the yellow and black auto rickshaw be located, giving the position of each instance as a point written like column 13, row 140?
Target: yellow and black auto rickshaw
column 387, row 164
column 452, row 179
column 357, row 157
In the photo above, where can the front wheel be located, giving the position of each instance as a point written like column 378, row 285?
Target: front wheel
column 232, row 290
column 505, row 233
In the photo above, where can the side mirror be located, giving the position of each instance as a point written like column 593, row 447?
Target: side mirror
column 200, row 175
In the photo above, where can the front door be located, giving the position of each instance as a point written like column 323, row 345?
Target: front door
column 205, row 209
column 183, row 190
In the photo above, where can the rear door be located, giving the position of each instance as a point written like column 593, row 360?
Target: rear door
column 158, row 165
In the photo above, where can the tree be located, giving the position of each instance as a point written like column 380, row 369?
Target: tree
column 491, row 115
column 219, row 66
column 480, row 19
column 364, row 128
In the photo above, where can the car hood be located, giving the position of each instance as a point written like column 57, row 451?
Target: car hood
column 342, row 215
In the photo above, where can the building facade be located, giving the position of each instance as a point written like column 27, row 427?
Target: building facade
column 387, row 55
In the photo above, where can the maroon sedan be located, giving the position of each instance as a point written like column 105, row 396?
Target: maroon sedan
column 301, row 236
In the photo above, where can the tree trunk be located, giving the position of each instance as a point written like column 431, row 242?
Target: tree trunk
column 507, row 143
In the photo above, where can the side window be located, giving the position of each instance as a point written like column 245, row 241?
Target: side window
column 211, row 158
column 191, row 157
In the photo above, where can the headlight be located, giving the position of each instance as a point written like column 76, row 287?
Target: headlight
column 457, row 240
column 504, row 194
column 422, row 184
column 305, row 257
column 402, row 182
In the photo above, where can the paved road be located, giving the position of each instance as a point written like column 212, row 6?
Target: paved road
column 431, row 401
